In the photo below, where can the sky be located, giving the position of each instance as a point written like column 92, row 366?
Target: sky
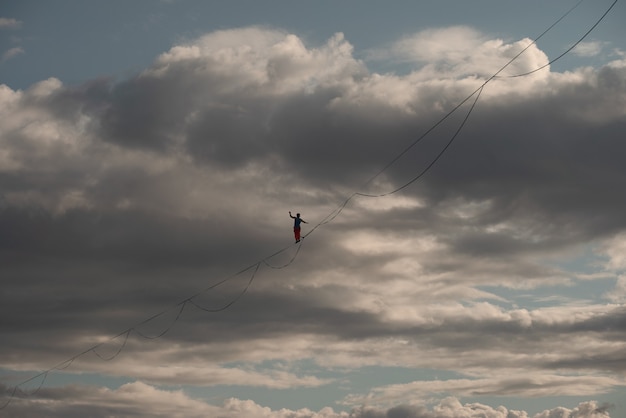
column 462, row 188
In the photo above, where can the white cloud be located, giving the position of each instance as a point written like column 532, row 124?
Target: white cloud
column 589, row 49
column 615, row 250
column 12, row 53
column 462, row 51
column 529, row 385
column 204, row 373
column 270, row 60
column 9, row 23
column 618, row 293
column 141, row 400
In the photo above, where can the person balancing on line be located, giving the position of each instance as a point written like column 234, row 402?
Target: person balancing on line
column 296, row 225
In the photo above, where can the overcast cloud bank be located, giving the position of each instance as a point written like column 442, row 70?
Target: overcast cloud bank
column 121, row 198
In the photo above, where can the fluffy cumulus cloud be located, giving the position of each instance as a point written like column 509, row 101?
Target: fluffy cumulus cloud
column 153, row 203
column 138, row 399
column 444, row 52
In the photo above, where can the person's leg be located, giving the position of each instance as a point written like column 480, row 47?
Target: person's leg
column 296, row 233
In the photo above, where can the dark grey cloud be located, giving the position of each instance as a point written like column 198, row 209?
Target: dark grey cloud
column 145, row 113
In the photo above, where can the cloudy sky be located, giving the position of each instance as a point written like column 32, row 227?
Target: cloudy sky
column 464, row 254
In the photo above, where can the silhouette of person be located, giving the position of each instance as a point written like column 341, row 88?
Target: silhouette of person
column 296, row 225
